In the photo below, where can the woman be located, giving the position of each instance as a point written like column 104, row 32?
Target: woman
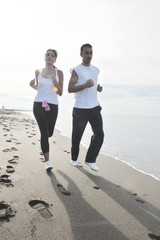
column 49, row 83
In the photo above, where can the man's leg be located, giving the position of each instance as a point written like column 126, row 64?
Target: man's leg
column 79, row 124
column 95, row 119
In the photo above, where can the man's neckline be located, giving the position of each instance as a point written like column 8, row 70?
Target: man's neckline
column 85, row 65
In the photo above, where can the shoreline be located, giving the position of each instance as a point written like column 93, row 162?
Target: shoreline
column 83, row 149
column 148, row 174
column 123, row 161
column 101, row 153
column 71, row 203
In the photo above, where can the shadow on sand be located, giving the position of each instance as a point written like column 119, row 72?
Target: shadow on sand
column 86, row 223
column 145, row 213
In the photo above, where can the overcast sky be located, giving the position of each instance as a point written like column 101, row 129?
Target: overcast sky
column 124, row 34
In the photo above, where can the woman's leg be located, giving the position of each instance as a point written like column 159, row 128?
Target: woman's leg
column 51, row 118
column 51, row 121
column 40, row 116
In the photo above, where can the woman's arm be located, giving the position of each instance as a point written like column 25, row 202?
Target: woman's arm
column 58, row 87
column 34, row 82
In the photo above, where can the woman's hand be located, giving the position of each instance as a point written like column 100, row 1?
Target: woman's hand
column 32, row 84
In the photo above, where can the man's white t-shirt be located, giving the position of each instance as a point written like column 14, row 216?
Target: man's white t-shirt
column 86, row 98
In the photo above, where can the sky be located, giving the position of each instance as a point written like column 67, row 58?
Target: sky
column 125, row 37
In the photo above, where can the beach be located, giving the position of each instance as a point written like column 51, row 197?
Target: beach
column 118, row 202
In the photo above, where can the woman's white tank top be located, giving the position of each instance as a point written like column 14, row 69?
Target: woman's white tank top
column 45, row 92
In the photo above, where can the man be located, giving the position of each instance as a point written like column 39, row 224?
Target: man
column 83, row 83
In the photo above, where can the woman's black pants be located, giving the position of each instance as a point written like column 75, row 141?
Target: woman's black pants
column 46, row 121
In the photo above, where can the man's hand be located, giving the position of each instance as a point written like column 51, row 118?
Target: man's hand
column 99, row 88
column 89, row 83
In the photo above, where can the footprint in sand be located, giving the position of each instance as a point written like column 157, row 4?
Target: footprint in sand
column 43, row 160
column 4, row 180
column 13, row 160
column 6, row 129
column 154, row 237
column 6, row 211
column 10, row 150
column 14, row 149
column 6, row 150
column 63, row 190
column 96, row 187
column 140, row 200
column 66, row 151
column 133, row 193
column 41, row 207
column 10, row 169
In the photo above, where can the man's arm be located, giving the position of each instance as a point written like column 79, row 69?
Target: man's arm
column 99, row 88
column 72, row 88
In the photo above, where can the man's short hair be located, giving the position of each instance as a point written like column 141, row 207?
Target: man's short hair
column 85, row 45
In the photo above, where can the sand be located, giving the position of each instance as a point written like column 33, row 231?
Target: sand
column 118, row 202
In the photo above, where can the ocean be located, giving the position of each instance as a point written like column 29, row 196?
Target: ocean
column 134, row 140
